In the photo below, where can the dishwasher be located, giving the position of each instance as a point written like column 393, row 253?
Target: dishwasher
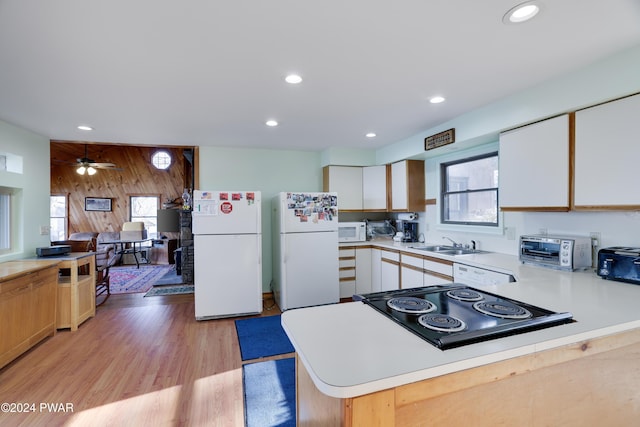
column 475, row 276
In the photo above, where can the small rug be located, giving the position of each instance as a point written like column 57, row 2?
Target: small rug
column 169, row 290
column 129, row 280
column 262, row 337
column 171, row 278
column 270, row 393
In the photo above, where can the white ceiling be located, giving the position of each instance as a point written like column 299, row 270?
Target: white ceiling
column 207, row 72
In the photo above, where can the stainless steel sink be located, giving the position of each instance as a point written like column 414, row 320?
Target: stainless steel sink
column 449, row 250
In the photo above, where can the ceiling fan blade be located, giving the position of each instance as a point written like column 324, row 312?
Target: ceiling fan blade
column 102, row 165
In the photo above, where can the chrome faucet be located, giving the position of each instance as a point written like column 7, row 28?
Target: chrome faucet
column 455, row 245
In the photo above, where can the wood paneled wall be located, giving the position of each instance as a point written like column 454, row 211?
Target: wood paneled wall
column 137, row 177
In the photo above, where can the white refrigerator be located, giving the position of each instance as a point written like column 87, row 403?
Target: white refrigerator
column 305, row 249
column 227, row 234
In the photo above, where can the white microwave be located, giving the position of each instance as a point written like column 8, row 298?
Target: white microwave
column 352, row 232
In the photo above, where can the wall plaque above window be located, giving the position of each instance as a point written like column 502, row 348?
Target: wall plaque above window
column 439, row 139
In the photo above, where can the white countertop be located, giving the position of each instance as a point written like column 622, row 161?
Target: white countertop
column 350, row 349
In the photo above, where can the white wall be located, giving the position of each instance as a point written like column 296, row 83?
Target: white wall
column 268, row 171
column 33, row 187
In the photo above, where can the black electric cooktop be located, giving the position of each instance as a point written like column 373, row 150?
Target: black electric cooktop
column 449, row 316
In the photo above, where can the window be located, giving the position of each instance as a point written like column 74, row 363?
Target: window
column 470, row 191
column 5, row 220
column 145, row 209
column 58, row 218
column 161, row 159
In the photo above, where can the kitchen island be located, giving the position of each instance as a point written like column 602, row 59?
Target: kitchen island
column 356, row 367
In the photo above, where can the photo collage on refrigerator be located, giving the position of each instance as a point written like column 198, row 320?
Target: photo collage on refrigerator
column 313, row 207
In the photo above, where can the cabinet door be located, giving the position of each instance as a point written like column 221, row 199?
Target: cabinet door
column 389, row 271
column 407, row 186
column 363, row 270
column 606, row 155
column 534, row 166
column 376, row 270
column 374, row 188
column 430, row 279
column 15, row 317
column 347, row 182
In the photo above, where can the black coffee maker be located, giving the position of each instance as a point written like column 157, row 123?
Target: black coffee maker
column 408, row 229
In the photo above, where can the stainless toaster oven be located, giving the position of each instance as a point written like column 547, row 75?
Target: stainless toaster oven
column 560, row 252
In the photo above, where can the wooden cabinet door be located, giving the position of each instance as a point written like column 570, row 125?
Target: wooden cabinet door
column 43, row 297
column 606, row 156
column 15, row 317
column 534, row 166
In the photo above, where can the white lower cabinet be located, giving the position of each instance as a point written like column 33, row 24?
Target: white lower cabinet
column 364, row 271
column 347, row 271
column 411, row 271
column 376, row 270
column 389, row 270
column 417, row 271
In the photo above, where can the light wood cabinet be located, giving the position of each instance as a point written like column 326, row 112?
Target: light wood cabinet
column 27, row 306
column 535, row 166
column 374, row 188
column 606, row 156
column 594, row 378
column 407, row 186
column 76, row 291
column 347, row 182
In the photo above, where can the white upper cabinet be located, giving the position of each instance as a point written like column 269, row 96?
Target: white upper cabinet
column 535, row 166
column 408, row 186
column 347, row 182
column 606, row 155
column 374, row 188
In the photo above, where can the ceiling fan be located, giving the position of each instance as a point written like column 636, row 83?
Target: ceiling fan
column 89, row 166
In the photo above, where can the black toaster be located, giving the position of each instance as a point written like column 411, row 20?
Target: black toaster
column 619, row 263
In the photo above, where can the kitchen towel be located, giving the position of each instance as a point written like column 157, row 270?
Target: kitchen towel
column 262, row 337
column 270, row 393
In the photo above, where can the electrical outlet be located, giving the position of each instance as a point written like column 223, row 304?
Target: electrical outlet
column 45, row 230
column 595, row 238
column 510, row 232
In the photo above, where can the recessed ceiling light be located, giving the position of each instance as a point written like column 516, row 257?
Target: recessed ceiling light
column 436, row 100
column 293, row 79
column 85, row 127
column 271, row 123
column 370, row 135
column 521, row 13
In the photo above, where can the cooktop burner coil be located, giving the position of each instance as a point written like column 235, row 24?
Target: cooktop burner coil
column 411, row 305
column 465, row 295
column 441, row 322
column 502, row 309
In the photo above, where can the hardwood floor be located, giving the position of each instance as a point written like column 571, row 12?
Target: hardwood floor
column 139, row 362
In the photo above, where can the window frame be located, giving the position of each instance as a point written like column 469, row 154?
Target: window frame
column 66, row 216
column 444, row 193
column 150, row 222
column 6, row 217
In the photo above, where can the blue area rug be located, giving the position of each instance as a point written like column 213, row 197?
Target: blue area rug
column 270, row 393
column 262, row 337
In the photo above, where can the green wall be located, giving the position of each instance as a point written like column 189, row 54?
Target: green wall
column 267, row 171
column 30, row 203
